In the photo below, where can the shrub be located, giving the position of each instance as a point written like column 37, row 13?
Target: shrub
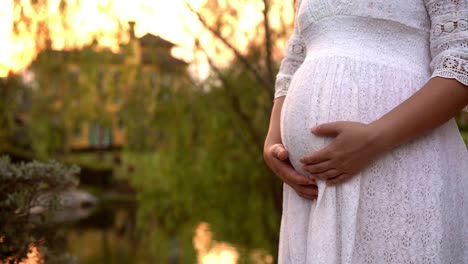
column 20, row 185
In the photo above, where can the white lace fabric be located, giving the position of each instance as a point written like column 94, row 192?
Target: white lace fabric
column 449, row 38
column 446, row 20
column 295, row 54
column 357, row 60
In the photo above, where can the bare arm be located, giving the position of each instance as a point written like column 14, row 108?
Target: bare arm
column 434, row 104
column 357, row 144
column 274, row 135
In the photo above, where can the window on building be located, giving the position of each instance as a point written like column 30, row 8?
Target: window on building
column 77, row 130
column 100, row 136
column 100, row 83
column 116, row 82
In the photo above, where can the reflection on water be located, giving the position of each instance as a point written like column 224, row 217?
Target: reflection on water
column 209, row 251
column 213, row 252
column 34, row 256
column 107, row 236
column 110, row 235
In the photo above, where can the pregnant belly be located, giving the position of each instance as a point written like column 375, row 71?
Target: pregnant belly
column 339, row 89
column 307, row 104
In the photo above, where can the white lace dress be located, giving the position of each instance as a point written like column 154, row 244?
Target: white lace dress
column 356, row 60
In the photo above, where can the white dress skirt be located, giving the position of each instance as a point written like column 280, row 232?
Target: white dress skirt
column 411, row 204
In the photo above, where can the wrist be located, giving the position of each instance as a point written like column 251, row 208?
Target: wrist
column 270, row 141
column 382, row 136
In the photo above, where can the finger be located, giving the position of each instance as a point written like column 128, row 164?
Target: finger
column 280, row 152
column 307, row 197
column 328, row 129
column 319, row 167
column 311, row 190
column 330, row 174
column 305, row 194
column 339, row 179
column 316, row 157
column 288, row 174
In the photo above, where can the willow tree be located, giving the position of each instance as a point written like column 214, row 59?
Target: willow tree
column 209, row 165
column 257, row 58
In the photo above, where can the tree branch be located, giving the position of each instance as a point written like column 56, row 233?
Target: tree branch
column 235, row 104
column 264, row 82
column 268, row 42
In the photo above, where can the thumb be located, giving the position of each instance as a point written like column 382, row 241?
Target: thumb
column 329, row 129
column 280, row 152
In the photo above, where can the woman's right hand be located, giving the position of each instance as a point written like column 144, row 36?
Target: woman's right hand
column 277, row 158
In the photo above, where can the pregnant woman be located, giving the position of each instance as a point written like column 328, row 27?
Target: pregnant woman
column 362, row 133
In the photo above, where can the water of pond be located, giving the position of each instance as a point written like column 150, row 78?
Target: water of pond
column 109, row 235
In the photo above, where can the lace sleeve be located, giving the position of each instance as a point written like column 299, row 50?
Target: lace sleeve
column 449, row 38
column 295, row 54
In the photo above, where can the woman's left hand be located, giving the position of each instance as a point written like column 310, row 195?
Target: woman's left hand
column 354, row 147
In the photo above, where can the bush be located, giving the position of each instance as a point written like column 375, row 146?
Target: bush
column 20, row 185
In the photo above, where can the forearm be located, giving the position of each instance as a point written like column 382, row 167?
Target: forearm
column 274, row 131
column 433, row 105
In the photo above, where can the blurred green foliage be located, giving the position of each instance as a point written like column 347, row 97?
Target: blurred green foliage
column 20, row 185
column 194, row 154
column 207, row 168
column 15, row 97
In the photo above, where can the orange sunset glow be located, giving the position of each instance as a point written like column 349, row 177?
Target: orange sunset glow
column 171, row 20
column 144, row 108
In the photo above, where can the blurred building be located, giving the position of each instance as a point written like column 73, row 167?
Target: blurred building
column 89, row 88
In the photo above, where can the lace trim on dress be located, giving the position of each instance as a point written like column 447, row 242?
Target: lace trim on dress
column 453, row 66
column 450, row 34
column 282, row 85
column 449, row 27
column 295, row 54
column 440, row 7
column 449, row 38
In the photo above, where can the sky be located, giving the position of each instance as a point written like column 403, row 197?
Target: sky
column 160, row 17
column 169, row 19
